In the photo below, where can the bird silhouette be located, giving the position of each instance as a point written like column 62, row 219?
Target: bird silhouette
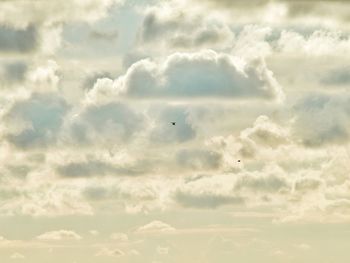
column 173, row 123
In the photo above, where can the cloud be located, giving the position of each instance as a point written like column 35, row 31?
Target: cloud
column 13, row 72
column 59, row 235
column 303, row 246
column 266, row 133
column 90, row 80
column 204, row 74
column 42, row 200
column 114, row 121
column 17, row 256
column 304, row 185
column 319, row 43
column 198, row 159
column 35, row 121
column 110, row 252
column 93, row 168
column 104, row 35
column 119, row 237
column 337, row 77
column 322, row 119
column 262, row 183
column 22, row 13
column 206, row 200
column 312, row 11
column 253, row 42
column 162, row 250
column 156, row 227
column 165, row 132
column 173, row 28
column 44, row 78
column 18, row 40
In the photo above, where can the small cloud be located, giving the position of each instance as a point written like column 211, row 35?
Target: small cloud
column 94, row 232
column 119, row 237
column 59, row 235
column 162, row 250
column 303, row 246
column 17, row 256
column 134, row 252
column 108, row 252
column 156, row 227
column 278, row 252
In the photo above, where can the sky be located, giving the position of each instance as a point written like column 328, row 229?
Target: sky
column 255, row 169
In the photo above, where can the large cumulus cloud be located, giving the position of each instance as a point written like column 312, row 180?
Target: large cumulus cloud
column 205, row 74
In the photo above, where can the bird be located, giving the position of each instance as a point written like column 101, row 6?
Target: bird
column 173, row 123
column 239, row 161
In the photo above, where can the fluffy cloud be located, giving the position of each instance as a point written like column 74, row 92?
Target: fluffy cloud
column 156, row 227
column 319, row 43
column 17, row 256
column 283, row 11
column 45, row 203
column 101, row 123
column 205, row 74
column 177, row 29
column 22, row 13
column 59, row 235
column 119, row 237
column 110, row 252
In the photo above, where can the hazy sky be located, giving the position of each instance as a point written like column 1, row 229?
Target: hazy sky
column 256, row 168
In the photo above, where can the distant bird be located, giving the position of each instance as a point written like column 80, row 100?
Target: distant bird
column 173, row 123
column 239, row 161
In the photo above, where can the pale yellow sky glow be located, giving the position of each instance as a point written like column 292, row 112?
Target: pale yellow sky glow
column 167, row 131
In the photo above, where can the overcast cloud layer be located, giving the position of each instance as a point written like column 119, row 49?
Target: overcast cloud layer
column 255, row 169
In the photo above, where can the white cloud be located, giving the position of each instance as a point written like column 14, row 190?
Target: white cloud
column 110, row 252
column 59, row 235
column 319, row 43
column 156, row 227
column 119, row 237
column 303, row 246
column 322, row 119
column 103, row 123
column 204, row 74
column 17, row 256
column 173, row 28
column 22, row 13
column 162, row 250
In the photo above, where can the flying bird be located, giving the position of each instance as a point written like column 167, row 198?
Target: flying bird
column 173, row 123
